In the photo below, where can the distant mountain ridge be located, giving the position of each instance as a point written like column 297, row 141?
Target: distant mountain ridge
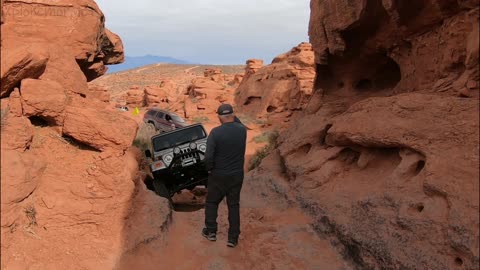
column 139, row 61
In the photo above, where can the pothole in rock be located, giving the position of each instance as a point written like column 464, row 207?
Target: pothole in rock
column 385, row 76
column 458, row 262
column 363, row 84
column 372, row 75
column 252, row 100
column 420, row 207
column 38, row 121
column 420, row 166
column 271, row 109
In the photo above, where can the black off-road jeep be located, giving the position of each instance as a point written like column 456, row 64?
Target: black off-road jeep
column 178, row 160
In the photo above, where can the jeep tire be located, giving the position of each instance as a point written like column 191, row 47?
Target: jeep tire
column 162, row 191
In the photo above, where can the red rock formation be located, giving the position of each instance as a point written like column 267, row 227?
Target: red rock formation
column 385, row 157
column 253, row 65
column 215, row 74
column 204, row 88
column 63, row 68
column 45, row 99
column 386, row 55
column 284, row 85
column 20, row 63
column 99, row 93
column 50, row 25
column 21, row 133
column 135, row 97
column 99, row 128
column 12, row 106
column 236, row 81
column 18, row 183
column 67, row 184
column 302, row 59
column 164, row 94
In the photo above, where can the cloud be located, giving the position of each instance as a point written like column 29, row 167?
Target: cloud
column 206, row 31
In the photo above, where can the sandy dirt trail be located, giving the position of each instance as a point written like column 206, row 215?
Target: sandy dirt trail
column 275, row 235
column 272, row 238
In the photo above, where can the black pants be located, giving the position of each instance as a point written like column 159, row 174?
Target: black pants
column 218, row 188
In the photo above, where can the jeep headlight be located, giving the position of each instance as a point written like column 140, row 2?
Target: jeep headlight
column 167, row 159
column 202, row 147
column 193, row 146
column 177, row 150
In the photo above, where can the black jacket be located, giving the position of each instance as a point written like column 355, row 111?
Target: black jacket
column 226, row 146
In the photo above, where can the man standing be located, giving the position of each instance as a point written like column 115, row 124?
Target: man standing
column 225, row 158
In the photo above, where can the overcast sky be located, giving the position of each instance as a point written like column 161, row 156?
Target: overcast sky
column 208, row 31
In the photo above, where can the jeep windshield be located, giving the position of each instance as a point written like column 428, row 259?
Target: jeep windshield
column 179, row 137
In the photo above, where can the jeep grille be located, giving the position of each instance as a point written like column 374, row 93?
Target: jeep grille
column 187, row 153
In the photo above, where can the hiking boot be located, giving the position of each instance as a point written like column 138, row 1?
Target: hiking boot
column 232, row 242
column 211, row 236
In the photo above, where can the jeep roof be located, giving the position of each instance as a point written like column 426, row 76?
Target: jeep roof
column 177, row 130
column 161, row 139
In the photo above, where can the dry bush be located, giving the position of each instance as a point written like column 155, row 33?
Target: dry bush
column 260, row 154
column 145, row 132
column 31, row 214
column 248, row 120
column 200, row 119
column 266, row 136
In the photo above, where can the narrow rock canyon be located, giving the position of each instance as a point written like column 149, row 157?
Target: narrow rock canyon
column 363, row 143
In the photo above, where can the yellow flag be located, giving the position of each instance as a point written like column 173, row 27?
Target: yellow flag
column 136, row 111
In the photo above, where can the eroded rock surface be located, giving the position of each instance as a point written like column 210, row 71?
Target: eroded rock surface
column 69, row 178
column 284, row 85
column 385, row 155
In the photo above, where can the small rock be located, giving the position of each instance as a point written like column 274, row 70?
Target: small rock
column 464, row 92
column 471, row 84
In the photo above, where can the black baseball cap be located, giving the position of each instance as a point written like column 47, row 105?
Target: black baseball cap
column 225, row 109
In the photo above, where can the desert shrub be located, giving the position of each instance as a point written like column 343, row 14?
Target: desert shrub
column 144, row 135
column 270, row 137
column 31, row 214
column 266, row 137
column 247, row 120
column 200, row 119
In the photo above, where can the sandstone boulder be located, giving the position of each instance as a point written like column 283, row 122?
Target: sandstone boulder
column 45, row 99
column 17, row 133
column 253, row 65
column 300, row 56
column 135, row 98
column 99, row 93
column 237, row 79
column 62, row 68
column 13, row 104
column 155, row 95
column 215, row 74
column 205, row 88
column 165, row 93
column 21, row 174
column 114, row 45
column 101, row 129
column 19, row 63
column 92, row 47
column 286, row 84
